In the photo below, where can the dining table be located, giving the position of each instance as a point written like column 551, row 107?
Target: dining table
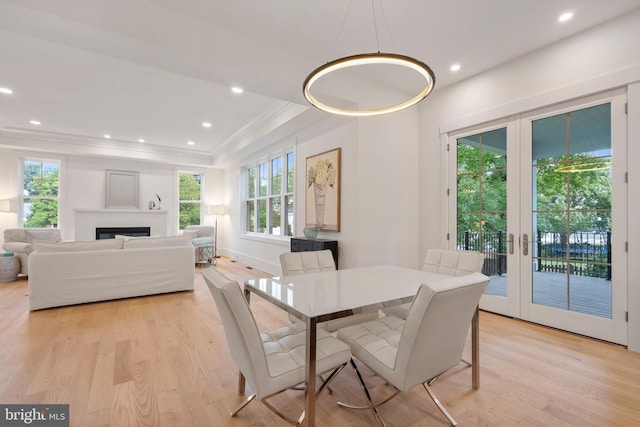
column 321, row 296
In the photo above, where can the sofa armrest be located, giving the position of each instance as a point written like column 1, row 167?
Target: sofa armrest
column 18, row 247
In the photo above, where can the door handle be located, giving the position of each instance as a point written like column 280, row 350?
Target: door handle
column 510, row 242
column 525, row 244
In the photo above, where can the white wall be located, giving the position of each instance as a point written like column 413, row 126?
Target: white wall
column 83, row 186
column 594, row 61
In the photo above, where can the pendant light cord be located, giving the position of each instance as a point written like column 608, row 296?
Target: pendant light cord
column 333, row 50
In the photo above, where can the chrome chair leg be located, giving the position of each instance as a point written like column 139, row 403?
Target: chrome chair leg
column 243, row 404
column 371, row 405
column 439, row 405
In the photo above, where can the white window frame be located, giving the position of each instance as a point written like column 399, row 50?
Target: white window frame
column 270, row 194
column 21, row 195
column 200, row 202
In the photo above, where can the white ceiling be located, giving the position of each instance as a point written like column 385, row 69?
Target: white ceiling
column 156, row 69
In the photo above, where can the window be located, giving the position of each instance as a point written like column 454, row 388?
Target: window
column 40, row 183
column 190, row 199
column 269, row 204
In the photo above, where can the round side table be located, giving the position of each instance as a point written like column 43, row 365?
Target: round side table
column 9, row 268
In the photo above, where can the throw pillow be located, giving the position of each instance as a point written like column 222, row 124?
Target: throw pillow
column 50, row 235
column 157, row 242
column 79, row 246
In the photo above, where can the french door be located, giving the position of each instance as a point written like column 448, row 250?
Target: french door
column 543, row 196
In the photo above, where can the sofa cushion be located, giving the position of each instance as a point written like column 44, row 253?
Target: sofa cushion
column 91, row 245
column 48, row 235
column 157, row 242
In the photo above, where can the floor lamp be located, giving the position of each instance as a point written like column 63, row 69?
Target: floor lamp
column 216, row 210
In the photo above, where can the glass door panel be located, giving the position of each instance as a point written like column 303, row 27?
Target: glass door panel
column 481, row 204
column 571, row 213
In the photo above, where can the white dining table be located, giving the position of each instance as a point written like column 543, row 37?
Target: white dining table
column 327, row 295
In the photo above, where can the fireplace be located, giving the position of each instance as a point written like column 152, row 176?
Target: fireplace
column 110, row 232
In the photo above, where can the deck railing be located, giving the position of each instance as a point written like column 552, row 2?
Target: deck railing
column 584, row 253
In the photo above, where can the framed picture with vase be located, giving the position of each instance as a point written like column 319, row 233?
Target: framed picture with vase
column 323, row 191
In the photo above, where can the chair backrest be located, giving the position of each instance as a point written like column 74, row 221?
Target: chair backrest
column 240, row 328
column 453, row 263
column 306, row 262
column 201, row 230
column 436, row 328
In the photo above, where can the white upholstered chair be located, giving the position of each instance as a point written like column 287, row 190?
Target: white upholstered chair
column 271, row 362
column 429, row 342
column 203, row 240
column 449, row 263
column 293, row 263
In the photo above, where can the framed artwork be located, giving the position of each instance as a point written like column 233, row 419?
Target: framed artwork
column 323, row 191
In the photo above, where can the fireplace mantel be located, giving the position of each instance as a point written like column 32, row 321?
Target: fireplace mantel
column 86, row 221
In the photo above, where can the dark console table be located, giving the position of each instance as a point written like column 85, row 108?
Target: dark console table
column 303, row 245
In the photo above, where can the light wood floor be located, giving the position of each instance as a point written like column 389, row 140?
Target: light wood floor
column 163, row 361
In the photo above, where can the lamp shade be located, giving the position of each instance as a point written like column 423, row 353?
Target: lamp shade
column 5, row 206
column 216, row 210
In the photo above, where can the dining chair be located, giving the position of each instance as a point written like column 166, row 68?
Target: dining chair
column 446, row 262
column 293, row 263
column 271, row 362
column 414, row 351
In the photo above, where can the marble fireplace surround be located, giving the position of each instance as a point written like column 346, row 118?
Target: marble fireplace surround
column 87, row 220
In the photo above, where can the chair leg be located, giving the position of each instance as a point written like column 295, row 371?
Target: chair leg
column 243, row 404
column 371, row 405
column 439, row 405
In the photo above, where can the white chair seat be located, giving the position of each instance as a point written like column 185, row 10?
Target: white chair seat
column 379, row 338
column 285, row 349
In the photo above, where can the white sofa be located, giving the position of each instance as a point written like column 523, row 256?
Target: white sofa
column 20, row 242
column 79, row 272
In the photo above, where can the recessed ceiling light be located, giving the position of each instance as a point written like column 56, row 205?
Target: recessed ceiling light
column 6, row 90
column 106, row 135
column 191, row 143
column 141, row 140
column 206, row 124
column 455, row 67
column 236, row 89
column 565, row 16
column 35, row 122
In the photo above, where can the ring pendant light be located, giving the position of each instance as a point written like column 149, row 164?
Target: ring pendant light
column 370, row 59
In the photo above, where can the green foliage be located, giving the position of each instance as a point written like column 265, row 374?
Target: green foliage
column 190, row 197
column 41, row 194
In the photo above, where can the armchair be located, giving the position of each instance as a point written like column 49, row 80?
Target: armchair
column 19, row 241
column 203, row 239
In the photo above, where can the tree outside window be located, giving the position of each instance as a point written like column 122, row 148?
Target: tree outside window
column 190, row 199
column 40, row 193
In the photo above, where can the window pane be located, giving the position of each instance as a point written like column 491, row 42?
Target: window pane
column 40, row 191
column 251, row 215
column 251, row 182
column 189, row 186
column 288, row 200
column 274, row 215
column 263, row 170
column 290, row 176
column 276, row 175
column 262, row 215
column 40, row 213
column 189, row 214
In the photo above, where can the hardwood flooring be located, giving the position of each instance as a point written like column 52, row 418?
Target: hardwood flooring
column 163, row 361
